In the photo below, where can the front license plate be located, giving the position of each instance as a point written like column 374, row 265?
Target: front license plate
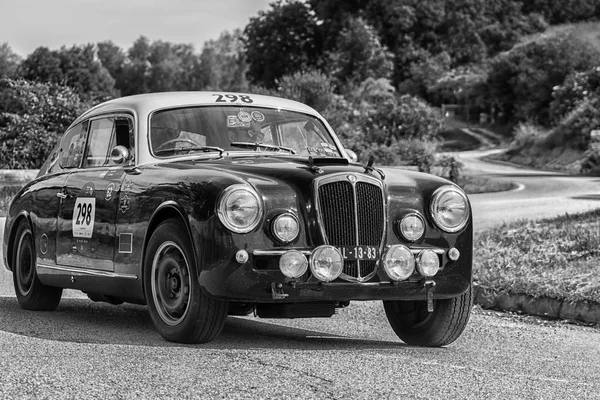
column 359, row 252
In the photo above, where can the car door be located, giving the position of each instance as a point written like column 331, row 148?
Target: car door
column 87, row 214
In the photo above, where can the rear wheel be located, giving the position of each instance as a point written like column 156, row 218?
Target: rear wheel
column 31, row 293
column 414, row 325
column 179, row 309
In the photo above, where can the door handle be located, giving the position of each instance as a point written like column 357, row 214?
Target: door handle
column 62, row 195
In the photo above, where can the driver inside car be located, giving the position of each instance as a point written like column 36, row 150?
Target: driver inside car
column 165, row 133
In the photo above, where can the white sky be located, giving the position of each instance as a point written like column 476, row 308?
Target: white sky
column 28, row 24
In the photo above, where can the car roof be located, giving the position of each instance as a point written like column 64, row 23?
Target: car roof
column 143, row 104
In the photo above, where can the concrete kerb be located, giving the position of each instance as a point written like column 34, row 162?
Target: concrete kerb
column 538, row 306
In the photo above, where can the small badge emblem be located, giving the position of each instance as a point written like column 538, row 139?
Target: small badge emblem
column 110, row 189
column 352, row 178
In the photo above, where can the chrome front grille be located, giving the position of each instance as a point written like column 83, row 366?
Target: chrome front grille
column 352, row 212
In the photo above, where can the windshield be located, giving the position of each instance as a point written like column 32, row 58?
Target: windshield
column 238, row 129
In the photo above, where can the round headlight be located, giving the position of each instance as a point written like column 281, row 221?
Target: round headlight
column 450, row 208
column 285, row 227
column 399, row 262
column 239, row 208
column 412, row 227
column 293, row 264
column 326, row 263
column 428, row 263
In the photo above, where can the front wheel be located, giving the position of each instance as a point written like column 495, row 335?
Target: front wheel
column 414, row 325
column 180, row 311
column 31, row 293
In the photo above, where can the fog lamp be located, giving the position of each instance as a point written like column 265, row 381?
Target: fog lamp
column 428, row 263
column 285, row 227
column 293, row 264
column 326, row 263
column 412, row 227
column 399, row 262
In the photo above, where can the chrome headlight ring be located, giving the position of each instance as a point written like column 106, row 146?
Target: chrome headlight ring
column 450, row 208
column 240, row 208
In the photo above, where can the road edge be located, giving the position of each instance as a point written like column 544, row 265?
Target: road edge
column 582, row 311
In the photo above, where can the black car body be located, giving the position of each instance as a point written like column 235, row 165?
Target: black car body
column 207, row 204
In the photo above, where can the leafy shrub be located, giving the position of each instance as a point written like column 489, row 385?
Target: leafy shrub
column 312, row 88
column 33, row 115
column 576, row 88
column 526, row 134
column 574, row 130
column 521, row 81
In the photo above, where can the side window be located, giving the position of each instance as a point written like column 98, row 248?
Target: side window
column 99, row 142
column 72, row 146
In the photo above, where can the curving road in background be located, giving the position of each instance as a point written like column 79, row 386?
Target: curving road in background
column 538, row 195
column 98, row 351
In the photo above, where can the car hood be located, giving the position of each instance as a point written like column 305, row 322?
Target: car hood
column 269, row 172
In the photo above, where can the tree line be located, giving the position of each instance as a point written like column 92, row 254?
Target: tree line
column 379, row 69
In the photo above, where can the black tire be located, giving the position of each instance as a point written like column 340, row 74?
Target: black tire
column 180, row 311
column 31, row 293
column 415, row 326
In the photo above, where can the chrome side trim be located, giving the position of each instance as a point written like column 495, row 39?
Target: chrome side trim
column 52, row 269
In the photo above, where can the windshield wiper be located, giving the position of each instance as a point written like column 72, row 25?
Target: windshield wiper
column 191, row 149
column 251, row 145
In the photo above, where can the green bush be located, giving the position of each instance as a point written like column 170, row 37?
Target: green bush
column 574, row 129
column 521, row 81
column 576, row 88
column 312, row 88
column 33, row 115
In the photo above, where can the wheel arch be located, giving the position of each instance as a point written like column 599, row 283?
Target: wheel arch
column 165, row 211
column 22, row 216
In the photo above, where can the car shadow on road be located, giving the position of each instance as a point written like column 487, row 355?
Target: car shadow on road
column 83, row 321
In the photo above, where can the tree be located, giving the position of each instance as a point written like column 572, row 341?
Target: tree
column 359, row 54
column 160, row 66
column 33, row 115
column 9, row 61
column 77, row 67
column 113, row 58
column 42, row 65
column 222, row 63
column 281, row 41
column 83, row 71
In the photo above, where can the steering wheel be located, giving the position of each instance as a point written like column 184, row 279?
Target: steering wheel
column 183, row 140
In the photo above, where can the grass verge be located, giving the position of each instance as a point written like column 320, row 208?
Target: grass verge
column 555, row 258
column 480, row 185
column 6, row 195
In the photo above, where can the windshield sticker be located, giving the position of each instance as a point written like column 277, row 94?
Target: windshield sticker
column 84, row 214
column 258, row 116
column 234, row 122
column 244, row 116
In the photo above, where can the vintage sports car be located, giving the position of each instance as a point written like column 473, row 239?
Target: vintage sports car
column 203, row 205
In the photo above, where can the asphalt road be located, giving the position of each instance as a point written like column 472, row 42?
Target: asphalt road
column 93, row 350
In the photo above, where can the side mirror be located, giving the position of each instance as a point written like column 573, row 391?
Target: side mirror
column 351, row 155
column 119, row 155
